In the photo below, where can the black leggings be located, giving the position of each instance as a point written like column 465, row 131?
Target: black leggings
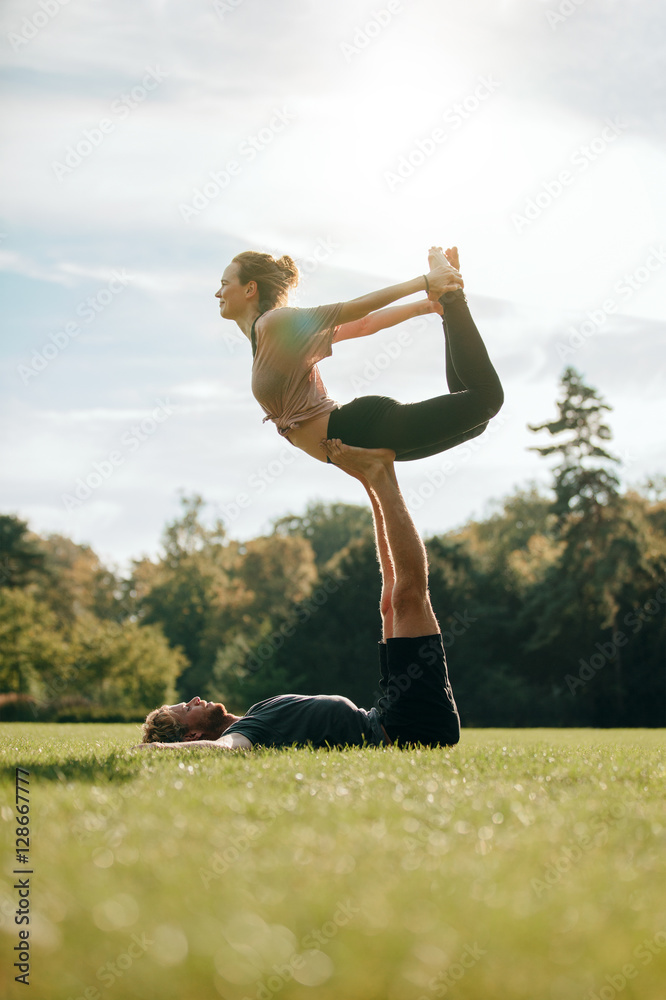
column 418, row 430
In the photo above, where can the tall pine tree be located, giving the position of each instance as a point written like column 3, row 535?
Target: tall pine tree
column 584, row 480
column 579, row 606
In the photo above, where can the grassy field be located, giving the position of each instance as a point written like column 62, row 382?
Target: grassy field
column 520, row 864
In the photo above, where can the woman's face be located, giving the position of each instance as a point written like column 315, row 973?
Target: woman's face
column 232, row 295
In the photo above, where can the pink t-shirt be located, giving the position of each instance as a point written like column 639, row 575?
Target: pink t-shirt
column 285, row 378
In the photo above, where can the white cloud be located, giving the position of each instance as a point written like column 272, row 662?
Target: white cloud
column 13, row 262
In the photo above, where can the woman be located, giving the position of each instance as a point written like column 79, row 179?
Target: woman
column 287, row 344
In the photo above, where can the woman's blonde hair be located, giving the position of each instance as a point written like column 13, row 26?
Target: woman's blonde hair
column 274, row 277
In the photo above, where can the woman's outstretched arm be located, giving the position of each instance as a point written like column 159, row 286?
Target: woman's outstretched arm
column 385, row 318
column 443, row 278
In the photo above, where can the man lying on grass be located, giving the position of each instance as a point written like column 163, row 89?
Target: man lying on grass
column 416, row 704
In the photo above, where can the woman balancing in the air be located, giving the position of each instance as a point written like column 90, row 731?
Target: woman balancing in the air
column 287, row 344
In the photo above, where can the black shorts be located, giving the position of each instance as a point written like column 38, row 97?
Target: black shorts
column 416, row 703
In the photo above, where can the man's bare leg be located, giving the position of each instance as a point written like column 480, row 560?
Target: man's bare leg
column 423, row 711
column 412, row 612
column 384, row 557
column 386, row 565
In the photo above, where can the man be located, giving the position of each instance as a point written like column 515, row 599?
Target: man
column 416, row 705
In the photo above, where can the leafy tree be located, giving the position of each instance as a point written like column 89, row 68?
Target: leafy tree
column 552, row 612
column 76, row 581
column 278, row 572
column 274, row 574
column 191, row 576
column 654, row 488
column 22, row 557
column 329, row 527
column 187, row 535
column 477, row 595
column 334, row 646
column 122, row 666
column 515, row 543
column 209, row 594
column 34, row 657
column 325, row 644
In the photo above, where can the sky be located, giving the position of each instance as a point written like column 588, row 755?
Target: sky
column 147, row 142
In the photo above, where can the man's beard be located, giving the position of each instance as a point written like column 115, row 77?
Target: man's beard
column 216, row 721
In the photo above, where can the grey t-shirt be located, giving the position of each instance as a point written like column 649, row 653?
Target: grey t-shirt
column 319, row 720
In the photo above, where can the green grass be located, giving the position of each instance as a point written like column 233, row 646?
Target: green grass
column 219, row 871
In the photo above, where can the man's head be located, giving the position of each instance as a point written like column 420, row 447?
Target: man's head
column 188, row 720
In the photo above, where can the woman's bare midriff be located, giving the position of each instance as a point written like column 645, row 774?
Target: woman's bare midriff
column 308, row 435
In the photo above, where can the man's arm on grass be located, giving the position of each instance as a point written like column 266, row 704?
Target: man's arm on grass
column 234, row 741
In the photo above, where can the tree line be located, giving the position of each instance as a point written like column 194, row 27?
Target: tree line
column 551, row 607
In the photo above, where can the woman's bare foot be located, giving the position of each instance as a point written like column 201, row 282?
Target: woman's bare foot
column 437, row 257
column 365, row 464
column 443, row 276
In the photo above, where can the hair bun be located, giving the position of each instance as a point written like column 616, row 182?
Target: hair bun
column 274, row 277
column 288, row 268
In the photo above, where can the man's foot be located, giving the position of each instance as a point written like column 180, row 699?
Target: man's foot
column 361, row 463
